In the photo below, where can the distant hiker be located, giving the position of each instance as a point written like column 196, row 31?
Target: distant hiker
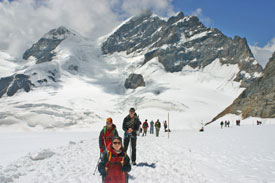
column 115, row 164
column 139, row 129
column 130, row 127
column 228, row 123
column 145, row 126
column 157, row 126
column 238, row 122
column 106, row 135
column 225, row 124
column 259, row 122
column 165, row 126
column 152, row 127
column 221, row 124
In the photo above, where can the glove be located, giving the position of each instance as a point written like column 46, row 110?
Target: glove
column 104, row 174
column 124, row 168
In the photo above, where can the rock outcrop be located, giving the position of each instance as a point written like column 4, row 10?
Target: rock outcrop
column 258, row 100
column 134, row 81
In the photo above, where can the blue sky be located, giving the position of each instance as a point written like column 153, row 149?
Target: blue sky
column 253, row 19
column 23, row 22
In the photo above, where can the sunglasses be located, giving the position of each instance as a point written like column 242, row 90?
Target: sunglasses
column 117, row 143
column 108, row 123
column 132, row 111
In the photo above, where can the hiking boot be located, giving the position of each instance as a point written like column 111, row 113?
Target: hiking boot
column 134, row 163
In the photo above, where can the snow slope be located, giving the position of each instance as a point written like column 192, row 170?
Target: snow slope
column 94, row 92
column 7, row 64
column 235, row 154
column 79, row 88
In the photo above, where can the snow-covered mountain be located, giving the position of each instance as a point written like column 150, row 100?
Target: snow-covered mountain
column 258, row 100
column 189, row 70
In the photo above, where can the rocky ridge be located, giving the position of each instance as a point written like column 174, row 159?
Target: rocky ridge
column 182, row 40
column 258, row 100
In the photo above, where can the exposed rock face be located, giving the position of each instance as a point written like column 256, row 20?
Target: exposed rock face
column 258, row 100
column 180, row 41
column 10, row 85
column 43, row 49
column 134, row 81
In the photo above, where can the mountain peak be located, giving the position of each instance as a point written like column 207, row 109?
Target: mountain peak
column 42, row 50
column 176, row 18
column 60, row 33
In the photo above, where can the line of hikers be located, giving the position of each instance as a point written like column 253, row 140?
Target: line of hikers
column 225, row 123
column 114, row 163
column 143, row 127
column 238, row 123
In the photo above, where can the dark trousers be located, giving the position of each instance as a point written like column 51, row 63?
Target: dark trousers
column 133, row 145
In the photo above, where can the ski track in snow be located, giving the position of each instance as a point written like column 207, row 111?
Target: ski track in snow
column 239, row 154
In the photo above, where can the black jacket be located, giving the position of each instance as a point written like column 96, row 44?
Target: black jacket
column 134, row 123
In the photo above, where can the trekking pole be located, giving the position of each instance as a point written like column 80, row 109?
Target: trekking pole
column 96, row 165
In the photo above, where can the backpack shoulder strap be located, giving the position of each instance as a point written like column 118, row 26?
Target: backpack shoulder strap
column 123, row 158
column 104, row 129
column 113, row 132
column 109, row 155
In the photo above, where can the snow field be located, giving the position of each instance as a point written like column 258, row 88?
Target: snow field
column 235, row 154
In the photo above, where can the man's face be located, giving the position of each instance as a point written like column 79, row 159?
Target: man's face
column 109, row 124
column 132, row 113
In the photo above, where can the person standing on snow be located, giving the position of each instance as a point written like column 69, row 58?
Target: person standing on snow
column 228, row 123
column 139, row 129
column 115, row 163
column 157, row 126
column 106, row 135
column 145, row 126
column 221, row 124
column 152, row 127
column 165, row 126
column 130, row 126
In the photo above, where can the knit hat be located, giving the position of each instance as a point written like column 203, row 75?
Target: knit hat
column 109, row 120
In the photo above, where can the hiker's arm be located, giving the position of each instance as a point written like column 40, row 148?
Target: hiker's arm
column 101, row 165
column 100, row 141
column 136, row 125
column 127, row 166
column 124, row 125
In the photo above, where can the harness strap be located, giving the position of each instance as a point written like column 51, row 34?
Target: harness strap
column 109, row 155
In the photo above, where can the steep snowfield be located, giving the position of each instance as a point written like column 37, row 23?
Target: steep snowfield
column 7, row 64
column 235, row 154
column 79, row 88
column 95, row 91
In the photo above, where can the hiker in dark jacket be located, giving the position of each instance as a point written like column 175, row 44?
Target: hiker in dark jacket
column 221, row 124
column 115, row 164
column 130, row 126
column 152, row 127
column 157, row 126
column 106, row 135
column 165, row 126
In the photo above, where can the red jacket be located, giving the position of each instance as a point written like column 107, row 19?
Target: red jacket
column 116, row 171
column 105, row 137
column 145, row 125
